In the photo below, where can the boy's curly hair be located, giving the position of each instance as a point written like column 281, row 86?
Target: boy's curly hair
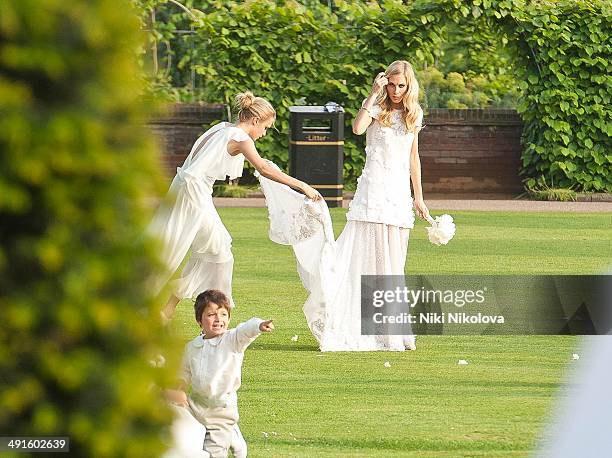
column 210, row 296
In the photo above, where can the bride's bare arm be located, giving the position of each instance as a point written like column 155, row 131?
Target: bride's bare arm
column 364, row 116
column 415, row 176
column 262, row 166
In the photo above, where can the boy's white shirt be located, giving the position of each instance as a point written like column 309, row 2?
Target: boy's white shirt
column 213, row 366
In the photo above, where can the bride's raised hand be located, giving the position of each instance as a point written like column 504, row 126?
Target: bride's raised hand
column 379, row 83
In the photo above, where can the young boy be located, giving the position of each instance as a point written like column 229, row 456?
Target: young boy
column 212, row 367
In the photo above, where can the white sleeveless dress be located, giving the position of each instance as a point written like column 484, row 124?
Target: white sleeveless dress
column 373, row 242
column 188, row 221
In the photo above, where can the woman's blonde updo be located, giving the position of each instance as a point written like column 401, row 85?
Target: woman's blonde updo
column 249, row 106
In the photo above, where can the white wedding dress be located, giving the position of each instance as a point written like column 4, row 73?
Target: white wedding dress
column 373, row 242
column 187, row 219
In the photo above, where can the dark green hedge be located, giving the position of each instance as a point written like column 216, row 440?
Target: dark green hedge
column 562, row 53
column 566, row 66
column 78, row 324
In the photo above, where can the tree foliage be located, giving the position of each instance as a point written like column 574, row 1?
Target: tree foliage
column 78, row 324
column 559, row 51
column 566, row 81
column 292, row 54
column 454, row 90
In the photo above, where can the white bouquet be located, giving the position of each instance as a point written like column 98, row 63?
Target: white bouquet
column 442, row 229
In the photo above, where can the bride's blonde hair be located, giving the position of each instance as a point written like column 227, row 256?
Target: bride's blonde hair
column 249, row 106
column 411, row 109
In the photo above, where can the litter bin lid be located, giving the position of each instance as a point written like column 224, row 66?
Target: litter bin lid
column 307, row 109
column 329, row 108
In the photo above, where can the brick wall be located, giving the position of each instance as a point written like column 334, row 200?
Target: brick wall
column 471, row 151
column 462, row 151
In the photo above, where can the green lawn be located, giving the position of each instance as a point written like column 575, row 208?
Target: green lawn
column 296, row 401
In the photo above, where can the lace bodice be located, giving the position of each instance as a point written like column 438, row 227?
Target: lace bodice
column 383, row 189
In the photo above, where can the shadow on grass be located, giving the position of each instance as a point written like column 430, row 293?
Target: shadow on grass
column 406, row 444
column 516, row 384
column 285, row 347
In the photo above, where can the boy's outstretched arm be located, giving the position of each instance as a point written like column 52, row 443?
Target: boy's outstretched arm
column 247, row 332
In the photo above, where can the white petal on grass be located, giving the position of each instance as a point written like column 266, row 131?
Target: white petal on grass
column 387, row 364
column 265, row 434
column 575, row 356
column 295, row 338
column 462, row 362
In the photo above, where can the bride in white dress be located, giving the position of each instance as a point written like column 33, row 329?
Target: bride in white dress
column 188, row 221
column 375, row 238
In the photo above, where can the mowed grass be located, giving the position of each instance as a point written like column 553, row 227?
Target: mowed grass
column 296, row 401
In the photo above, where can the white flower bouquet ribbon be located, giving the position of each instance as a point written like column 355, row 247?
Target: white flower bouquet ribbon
column 442, row 229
